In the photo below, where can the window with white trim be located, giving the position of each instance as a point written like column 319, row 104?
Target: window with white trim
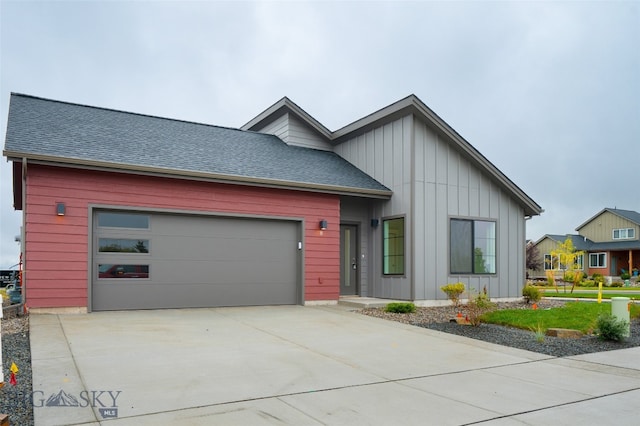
column 624, row 234
column 597, row 260
column 552, row 263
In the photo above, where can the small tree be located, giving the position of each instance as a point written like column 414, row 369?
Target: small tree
column 568, row 257
column 534, row 262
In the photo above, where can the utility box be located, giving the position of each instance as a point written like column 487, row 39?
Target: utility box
column 620, row 310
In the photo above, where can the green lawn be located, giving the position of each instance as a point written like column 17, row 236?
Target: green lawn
column 582, row 295
column 573, row 315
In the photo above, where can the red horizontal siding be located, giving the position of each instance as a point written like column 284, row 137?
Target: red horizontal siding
column 57, row 246
column 61, row 276
column 64, row 248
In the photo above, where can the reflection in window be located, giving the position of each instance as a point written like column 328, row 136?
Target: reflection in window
column 123, row 245
column 393, row 246
column 472, row 247
column 123, row 271
column 123, row 220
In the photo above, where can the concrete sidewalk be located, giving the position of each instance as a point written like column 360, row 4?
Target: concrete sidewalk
column 308, row 366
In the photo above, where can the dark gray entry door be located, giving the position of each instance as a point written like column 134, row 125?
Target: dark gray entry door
column 180, row 261
column 349, row 260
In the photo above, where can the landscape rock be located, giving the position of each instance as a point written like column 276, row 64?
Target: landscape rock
column 564, row 333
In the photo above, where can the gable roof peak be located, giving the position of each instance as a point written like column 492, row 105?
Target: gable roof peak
column 630, row 215
column 580, row 242
column 281, row 107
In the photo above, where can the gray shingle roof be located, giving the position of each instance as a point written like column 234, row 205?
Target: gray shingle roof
column 51, row 129
column 615, row 245
column 627, row 214
column 581, row 243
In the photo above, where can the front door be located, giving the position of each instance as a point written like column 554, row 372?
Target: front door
column 614, row 264
column 349, row 260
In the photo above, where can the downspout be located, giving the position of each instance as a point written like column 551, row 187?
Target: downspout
column 23, row 242
column 524, row 231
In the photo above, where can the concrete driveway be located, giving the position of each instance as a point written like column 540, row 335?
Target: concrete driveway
column 308, row 366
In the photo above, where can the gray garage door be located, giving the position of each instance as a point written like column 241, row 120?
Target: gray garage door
column 149, row 261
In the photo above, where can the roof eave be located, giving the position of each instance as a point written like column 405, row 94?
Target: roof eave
column 196, row 175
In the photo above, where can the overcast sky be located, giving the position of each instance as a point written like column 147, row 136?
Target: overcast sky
column 549, row 92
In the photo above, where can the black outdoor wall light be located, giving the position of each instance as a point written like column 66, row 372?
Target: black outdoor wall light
column 323, row 225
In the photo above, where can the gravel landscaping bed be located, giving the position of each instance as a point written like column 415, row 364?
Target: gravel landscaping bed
column 438, row 318
column 16, row 400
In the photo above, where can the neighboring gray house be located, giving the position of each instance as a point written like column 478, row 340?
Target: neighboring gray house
column 453, row 215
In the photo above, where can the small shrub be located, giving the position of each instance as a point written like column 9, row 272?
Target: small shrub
column 568, row 276
column 401, row 307
column 617, row 284
column 625, row 276
column 478, row 306
column 531, row 293
column 453, row 292
column 539, row 333
column 587, row 283
column 609, row 327
column 598, row 278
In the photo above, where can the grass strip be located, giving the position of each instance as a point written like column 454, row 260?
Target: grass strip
column 581, row 295
column 573, row 315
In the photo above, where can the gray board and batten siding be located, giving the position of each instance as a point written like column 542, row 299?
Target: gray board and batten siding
column 294, row 132
column 432, row 182
column 435, row 176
